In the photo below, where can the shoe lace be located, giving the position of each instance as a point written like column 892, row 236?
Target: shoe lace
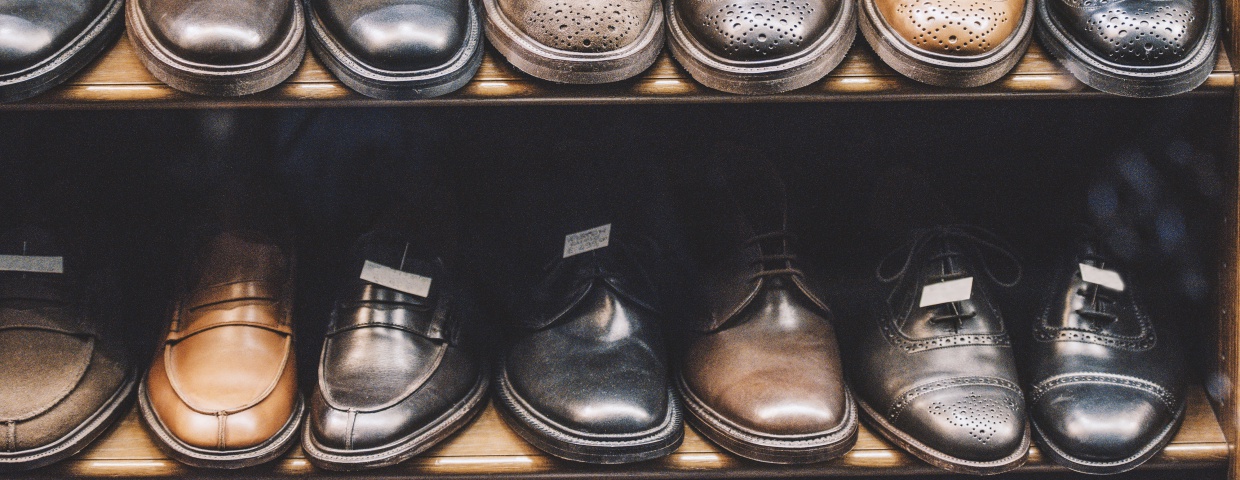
column 776, row 263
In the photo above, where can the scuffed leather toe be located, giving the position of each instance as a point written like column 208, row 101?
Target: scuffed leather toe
column 750, row 30
column 959, row 28
column 1099, row 422
column 1135, row 33
column 584, row 26
column 402, row 35
column 220, row 33
column 975, row 423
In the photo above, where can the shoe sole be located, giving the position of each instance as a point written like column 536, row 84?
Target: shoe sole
column 80, row 52
column 1116, row 79
column 225, row 459
column 785, row 449
column 79, row 438
column 217, row 80
column 398, row 85
column 770, row 77
column 1106, row 468
column 943, row 70
column 450, row 422
column 582, row 447
column 563, row 66
column 943, row 460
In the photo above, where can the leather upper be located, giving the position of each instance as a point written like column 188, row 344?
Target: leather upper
column 1134, row 32
column 31, row 31
column 583, row 26
column 754, row 30
column 943, row 374
column 397, row 35
column 1104, row 381
column 225, row 377
column 957, row 28
column 219, row 32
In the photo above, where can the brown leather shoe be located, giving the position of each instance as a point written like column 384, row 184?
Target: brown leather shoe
column 951, row 43
column 222, row 391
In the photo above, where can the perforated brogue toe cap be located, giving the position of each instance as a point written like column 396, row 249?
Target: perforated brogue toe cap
column 974, row 423
column 1134, row 33
column 589, row 26
column 751, row 30
column 958, row 28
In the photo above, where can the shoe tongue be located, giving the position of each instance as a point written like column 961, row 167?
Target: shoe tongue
column 239, row 256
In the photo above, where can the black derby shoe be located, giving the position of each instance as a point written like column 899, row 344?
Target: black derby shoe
column 398, row 49
column 1137, row 48
column 933, row 371
column 218, row 47
column 396, row 375
column 760, row 46
column 1106, row 385
column 64, row 364
column 44, row 42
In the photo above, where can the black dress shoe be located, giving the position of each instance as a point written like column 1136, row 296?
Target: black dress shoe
column 64, row 363
column 218, row 47
column 586, row 379
column 932, row 362
column 398, row 49
column 44, row 42
column 1106, row 384
column 1136, row 48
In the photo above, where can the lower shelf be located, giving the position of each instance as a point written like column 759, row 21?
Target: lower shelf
column 488, row 448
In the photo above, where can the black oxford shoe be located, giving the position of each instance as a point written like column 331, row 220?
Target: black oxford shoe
column 398, row 49
column 44, row 42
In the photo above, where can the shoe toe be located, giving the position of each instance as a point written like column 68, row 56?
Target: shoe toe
column 957, row 28
column 407, row 36
column 585, row 26
column 973, row 423
column 751, row 30
column 1162, row 35
column 1100, row 422
column 214, row 33
column 22, row 43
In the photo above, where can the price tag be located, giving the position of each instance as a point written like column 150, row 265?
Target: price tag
column 957, row 290
column 32, row 264
column 1101, row 276
column 394, row 279
column 582, row 242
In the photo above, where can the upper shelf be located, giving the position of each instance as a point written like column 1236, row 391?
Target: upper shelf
column 118, row 80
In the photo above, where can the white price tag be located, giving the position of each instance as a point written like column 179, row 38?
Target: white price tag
column 1102, row 276
column 957, row 290
column 582, row 242
column 32, row 264
column 394, row 279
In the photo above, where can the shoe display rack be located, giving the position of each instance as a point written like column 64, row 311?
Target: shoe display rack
column 490, row 449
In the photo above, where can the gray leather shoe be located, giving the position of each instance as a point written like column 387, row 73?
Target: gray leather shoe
column 218, row 47
column 760, row 46
column 44, row 42
column 398, row 49
column 1106, row 384
column 940, row 380
column 395, row 377
column 64, row 364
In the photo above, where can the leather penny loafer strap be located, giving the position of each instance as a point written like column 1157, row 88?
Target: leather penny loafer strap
column 52, row 319
column 231, row 292
column 382, row 307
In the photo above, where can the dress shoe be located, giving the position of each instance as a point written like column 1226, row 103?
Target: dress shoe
column 1135, row 48
column 64, row 363
column 222, row 389
column 218, row 47
column 932, row 361
column 44, row 42
column 1106, row 379
column 586, row 377
column 760, row 46
column 577, row 41
column 395, row 376
column 949, row 43
column 398, row 49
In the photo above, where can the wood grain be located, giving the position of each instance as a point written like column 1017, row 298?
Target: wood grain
column 118, row 80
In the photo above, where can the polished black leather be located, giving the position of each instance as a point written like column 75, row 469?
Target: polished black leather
column 219, row 32
column 397, row 35
column 64, row 362
column 1106, row 380
column 393, row 364
column 942, row 375
column 757, row 30
column 33, row 30
column 1134, row 33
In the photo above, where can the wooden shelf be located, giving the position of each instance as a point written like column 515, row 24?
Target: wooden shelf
column 118, row 80
column 488, row 448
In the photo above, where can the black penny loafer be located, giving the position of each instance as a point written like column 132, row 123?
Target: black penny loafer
column 1136, row 48
column 760, row 46
column 66, row 372
column 932, row 362
column 398, row 49
column 1106, row 384
column 44, row 42
column 218, row 47
column 395, row 377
